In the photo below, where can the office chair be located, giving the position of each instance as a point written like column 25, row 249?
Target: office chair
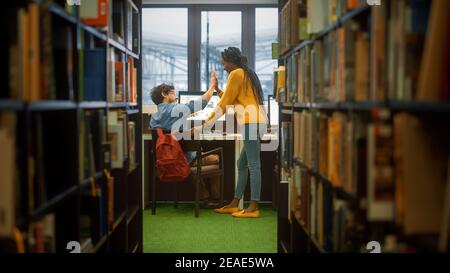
column 197, row 173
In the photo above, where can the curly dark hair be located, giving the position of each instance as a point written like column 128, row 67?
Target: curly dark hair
column 234, row 55
column 158, row 91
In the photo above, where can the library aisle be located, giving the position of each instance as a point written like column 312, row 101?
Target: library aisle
column 174, row 230
column 70, row 127
column 357, row 94
column 363, row 89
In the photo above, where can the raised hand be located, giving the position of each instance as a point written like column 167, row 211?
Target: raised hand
column 213, row 80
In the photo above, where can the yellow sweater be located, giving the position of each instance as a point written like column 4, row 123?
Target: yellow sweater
column 240, row 95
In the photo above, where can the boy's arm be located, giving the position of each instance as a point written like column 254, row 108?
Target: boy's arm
column 200, row 103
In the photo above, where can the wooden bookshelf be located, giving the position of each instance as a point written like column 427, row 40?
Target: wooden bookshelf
column 335, row 131
column 11, row 105
column 437, row 108
column 63, row 135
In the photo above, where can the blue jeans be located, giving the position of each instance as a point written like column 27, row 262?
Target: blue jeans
column 249, row 160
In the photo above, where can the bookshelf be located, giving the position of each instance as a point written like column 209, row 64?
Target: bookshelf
column 72, row 169
column 358, row 107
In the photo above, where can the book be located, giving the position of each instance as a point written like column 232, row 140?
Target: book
column 317, row 11
column 132, row 144
column 421, row 162
column 94, row 74
column 118, row 20
column 94, row 13
column 378, row 54
column 8, row 171
column 380, row 176
column 118, row 136
column 433, row 83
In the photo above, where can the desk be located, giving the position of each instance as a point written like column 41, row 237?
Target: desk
column 228, row 140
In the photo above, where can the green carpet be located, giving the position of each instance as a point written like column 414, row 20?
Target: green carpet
column 176, row 230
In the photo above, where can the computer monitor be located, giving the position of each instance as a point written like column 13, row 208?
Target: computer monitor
column 272, row 106
column 185, row 97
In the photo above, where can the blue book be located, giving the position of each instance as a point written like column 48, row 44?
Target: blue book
column 94, row 74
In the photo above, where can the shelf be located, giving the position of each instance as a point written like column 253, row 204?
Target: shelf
column 117, row 104
column 344, row 18
column 300, row 223
column 61, row 12
column 132, row 214
column 118, row 220
column 395, row 106
column 134, row 55
column 117, row 45
column 297, row 48
column 301, row 105
column 51, row 204
column 133, row 168
column 135, row 248
column 11, row 105
column 354, row 13
column 361, row 106
column 317, row 245
column 326, row 31
column 86, row 181
column 324, row 106
column 122, row 48
column 51, row 105
column 94, row 32
column 284, row 246
column 133, row 5
column 340, row 106
column 132, row 111
column 305, row 230
column 340, row 192
column 343, row 194
column 287, row 111
column 93, row 104
column 100, row 243
column 422, row 107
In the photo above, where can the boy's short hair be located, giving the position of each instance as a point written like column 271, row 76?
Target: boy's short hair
column 157, row 92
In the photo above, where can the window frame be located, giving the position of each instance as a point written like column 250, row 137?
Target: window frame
column 248, row 33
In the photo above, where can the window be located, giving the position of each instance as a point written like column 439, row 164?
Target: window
column 164, row 49
column 266, row 33
column 220, row 29
column 168, row 57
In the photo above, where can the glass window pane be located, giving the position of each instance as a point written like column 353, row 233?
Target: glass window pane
column 266, row 33
column 164, row 49
column 220, row 29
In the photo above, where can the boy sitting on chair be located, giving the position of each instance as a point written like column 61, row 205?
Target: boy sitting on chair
column 164, row 97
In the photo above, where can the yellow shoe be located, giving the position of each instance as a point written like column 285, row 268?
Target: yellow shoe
column 225, row 210
column 243, row 214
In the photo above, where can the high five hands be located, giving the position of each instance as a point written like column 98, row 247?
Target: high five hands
column 215, row 82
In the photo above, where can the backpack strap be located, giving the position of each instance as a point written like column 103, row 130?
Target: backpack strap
column 160, row 132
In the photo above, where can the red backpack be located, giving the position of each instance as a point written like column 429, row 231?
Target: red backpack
column 170, row 160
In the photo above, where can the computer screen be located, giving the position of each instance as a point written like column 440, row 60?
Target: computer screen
column 273, row 111
column 185, row 97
